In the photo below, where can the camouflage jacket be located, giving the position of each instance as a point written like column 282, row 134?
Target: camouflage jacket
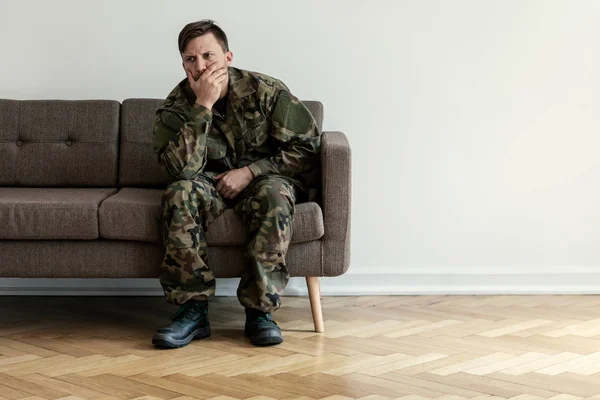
column 265, row 128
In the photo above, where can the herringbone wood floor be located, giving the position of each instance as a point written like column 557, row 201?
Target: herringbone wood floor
column 408, row 347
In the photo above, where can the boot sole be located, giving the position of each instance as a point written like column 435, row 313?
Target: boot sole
column 164, row 341
column 264, row 339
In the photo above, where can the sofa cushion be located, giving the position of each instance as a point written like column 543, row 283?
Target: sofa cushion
column 50, row 213
column 59, row 143
column 134, row 214
column 139, row 164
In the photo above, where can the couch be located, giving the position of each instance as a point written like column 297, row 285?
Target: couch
column 80, row 194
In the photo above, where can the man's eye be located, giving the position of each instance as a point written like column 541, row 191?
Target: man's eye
column 209, row 55
column 190, row 59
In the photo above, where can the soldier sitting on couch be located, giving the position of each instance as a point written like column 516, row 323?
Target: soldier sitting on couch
column 228, row 138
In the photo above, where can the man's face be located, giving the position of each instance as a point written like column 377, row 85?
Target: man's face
column 203, row 51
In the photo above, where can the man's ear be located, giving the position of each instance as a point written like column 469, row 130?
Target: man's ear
column 228, row 58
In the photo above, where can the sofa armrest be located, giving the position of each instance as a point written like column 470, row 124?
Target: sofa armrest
column 336, row 191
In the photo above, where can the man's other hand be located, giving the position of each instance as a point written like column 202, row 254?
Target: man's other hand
column 233, row 182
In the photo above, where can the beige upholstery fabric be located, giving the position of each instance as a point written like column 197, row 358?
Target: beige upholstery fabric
column 126, row 259
column 59, row 143
column 134, row 214
column 50, row 213
column 139, row 164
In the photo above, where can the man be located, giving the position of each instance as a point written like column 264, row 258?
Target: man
column 228, row 138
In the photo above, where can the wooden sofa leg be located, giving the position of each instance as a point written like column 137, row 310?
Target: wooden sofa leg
column 314, row 293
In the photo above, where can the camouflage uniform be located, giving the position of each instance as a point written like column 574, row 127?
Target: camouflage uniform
column 265, row 128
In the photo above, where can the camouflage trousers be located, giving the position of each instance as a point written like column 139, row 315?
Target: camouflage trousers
column 189, row 206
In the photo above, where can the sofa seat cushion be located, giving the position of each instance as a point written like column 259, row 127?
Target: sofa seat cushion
column 50, row 213
column 134, row 214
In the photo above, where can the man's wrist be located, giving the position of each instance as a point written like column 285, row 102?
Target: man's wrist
column 200, row 111
column 250, row 171
column 255, row 169
column 204, row 104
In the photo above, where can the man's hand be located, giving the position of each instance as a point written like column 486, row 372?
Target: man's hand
column 233, row 182
column 207, row 86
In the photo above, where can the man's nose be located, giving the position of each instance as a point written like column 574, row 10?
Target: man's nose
column 200, row 66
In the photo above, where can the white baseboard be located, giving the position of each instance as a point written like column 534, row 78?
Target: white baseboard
column 357, row 282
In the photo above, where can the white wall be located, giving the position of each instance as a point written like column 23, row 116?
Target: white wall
column 473, row 125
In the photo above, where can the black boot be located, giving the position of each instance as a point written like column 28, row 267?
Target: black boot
column 189, row 322
column 261, row 329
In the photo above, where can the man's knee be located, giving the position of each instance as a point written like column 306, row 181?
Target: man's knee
column 275, row 195
column 176, row 193
column 186, row 193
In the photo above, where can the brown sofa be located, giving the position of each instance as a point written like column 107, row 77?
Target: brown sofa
column 80, row 192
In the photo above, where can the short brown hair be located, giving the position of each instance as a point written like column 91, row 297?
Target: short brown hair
column 199, row 28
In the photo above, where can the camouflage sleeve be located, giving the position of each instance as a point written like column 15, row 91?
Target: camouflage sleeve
column 180, row 141
column 296, row 136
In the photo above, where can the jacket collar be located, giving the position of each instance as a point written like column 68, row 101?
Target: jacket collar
column 239, row 87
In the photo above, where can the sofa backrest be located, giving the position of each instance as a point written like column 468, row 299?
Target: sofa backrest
column 84, row 143
column 139, row 164
column 59, row 143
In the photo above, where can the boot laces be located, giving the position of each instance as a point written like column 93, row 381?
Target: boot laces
column 263, row 317
column 186, row 311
